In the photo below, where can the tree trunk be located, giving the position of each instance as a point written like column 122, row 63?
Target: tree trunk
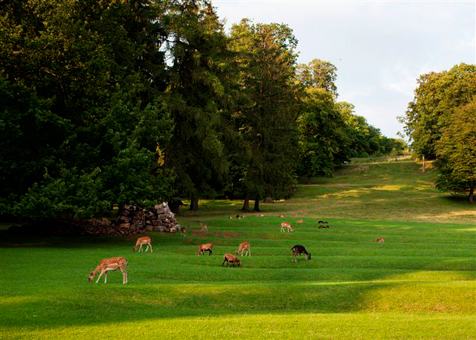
column 423, row 169
column 246, row 203
column 471, row 191
column 256, row 208
column 193, row 203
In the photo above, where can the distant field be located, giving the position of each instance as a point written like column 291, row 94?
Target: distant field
column 419, row 284
column 392, row 191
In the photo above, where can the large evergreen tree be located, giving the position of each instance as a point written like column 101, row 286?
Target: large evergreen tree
column 80, row 118
column 197, row 98
column 266, row 119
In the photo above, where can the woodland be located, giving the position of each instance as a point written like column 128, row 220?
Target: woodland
column 107, row 103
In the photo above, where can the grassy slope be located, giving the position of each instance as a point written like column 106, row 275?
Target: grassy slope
column 419, row 284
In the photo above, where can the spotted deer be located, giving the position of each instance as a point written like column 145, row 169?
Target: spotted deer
column 110, row 264
column 244, row 247
column 204, row 226
column 205, row 247
column 141, row 241
column 286, row 226
column 230, row 258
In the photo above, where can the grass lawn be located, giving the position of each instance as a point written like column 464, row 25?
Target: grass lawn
column 419, row 284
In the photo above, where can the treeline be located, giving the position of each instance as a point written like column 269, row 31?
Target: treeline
column 112, row 102
column 441, row 124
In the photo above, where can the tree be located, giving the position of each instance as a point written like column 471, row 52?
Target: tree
column 456, row 151
column 319, row 74
column 323, row 134
column 436, row 98
column 266, row 116
column 197, row 99
column 81, row 119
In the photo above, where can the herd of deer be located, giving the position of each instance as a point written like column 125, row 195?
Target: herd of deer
column 119, row 263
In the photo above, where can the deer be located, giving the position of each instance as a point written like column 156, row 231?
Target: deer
column 281, row 216
column 298, row 250
column 183, row 231
column 286, row 225
column 110, row 264
column 244, row 247
column 261, row 215
column 230, row 258
column 204, row 226
column 300, row 221
column 380, row 240
column 141, row 241
column 205, row 247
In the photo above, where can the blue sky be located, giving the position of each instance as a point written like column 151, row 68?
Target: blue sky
column 379, row 47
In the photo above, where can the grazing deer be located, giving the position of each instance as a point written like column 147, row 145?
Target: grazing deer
column 204, row 226
column 244, row 246
column 299, row 221
column 113, row 263
column 141, row 241
column 281, row 216
column 205, row 247
column 298, row 250
column 261, row 215
column 230, row 258
column 286, row 225
column 380, row 240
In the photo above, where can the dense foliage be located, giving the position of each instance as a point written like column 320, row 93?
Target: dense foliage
column 440, row 124
column 114, row 102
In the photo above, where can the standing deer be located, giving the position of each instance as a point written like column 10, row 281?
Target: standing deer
column 141, row 241
column 244, row 247
column 286, row 225
column 113, row 263
column 183, row 231
column 204, row 226
column 298, row 250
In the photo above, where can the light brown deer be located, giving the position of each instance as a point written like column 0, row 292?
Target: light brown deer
column 380, row 240
column 244, row 247
column 113, row 263
column 300, row 221
column 230, row 258
column 205, row 247
column 281, row 216
column 286, row 225
column 204, row 226
column 141, row 241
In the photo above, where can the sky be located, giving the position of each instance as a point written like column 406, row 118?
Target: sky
column 380, row 48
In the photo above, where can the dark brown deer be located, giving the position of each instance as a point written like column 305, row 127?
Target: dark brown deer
column 298, row 250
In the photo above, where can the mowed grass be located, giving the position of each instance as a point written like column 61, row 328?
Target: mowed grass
column 419, row 284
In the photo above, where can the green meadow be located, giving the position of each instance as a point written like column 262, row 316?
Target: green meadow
column 419, row 284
